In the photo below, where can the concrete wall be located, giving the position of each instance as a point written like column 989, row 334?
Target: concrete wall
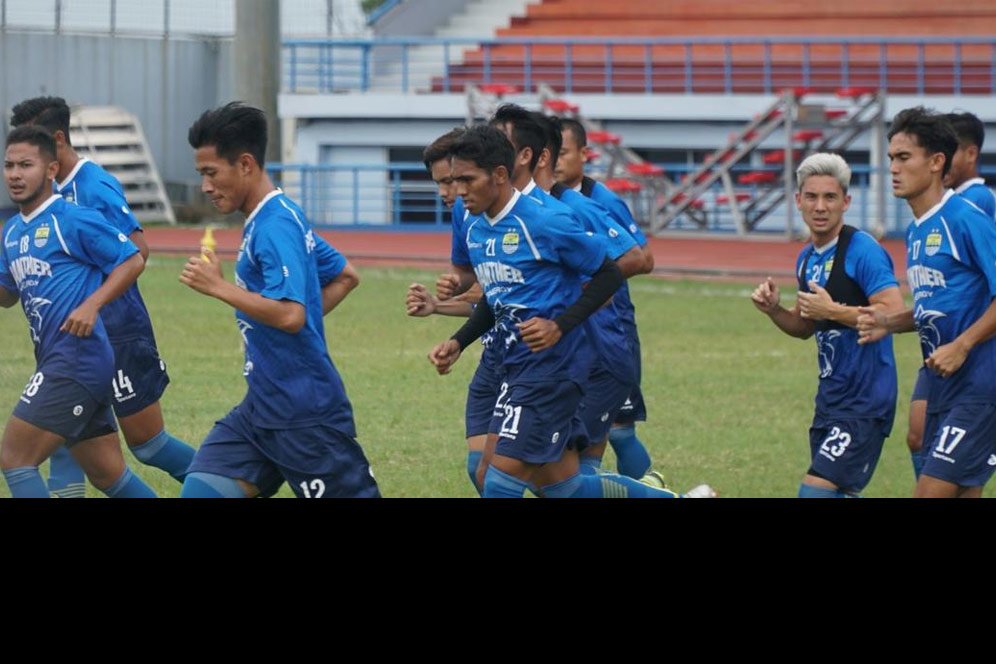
column 167, row 84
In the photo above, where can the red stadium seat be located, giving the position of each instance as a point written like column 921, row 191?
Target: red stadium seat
column 742, row 197
column 758, row 177
column 778, row 157
column 855, row 92
column 644, row 169
column 592, row 155
column 622, row 185
column 807, row 135
column 835, row 113
column 604, row 137
column 498, row 89
column 561, row 106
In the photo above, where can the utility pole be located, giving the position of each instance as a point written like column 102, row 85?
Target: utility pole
column 256, row 61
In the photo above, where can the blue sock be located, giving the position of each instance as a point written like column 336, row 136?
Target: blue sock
column 65, row 477
column 632, row 458
column 918, row 458
column 501, row 485
column 129, row 485
column 473, row 459
column 25, row 482
column 608, row 485
column 590, row 465
column 207, row 485
column 808, row 491
column 167, row 453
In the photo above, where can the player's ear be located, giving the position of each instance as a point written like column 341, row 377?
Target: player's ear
column 246, row 163
column 52, row 170
column 500, row 175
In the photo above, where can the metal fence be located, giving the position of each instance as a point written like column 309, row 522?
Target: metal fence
column 661, row 65
column 176, row 18
column 401, row 196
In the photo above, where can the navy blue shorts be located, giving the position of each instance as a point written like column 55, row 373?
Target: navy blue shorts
column 140, row 376
column 481, row 396
column 536, row 422
column 64, row 407
column 605, row 395
column 316, row 461
column 634, row 409
column 846, row 451
column 920, row 387
column 962, row 444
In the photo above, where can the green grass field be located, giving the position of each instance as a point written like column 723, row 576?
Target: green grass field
column 730, row 397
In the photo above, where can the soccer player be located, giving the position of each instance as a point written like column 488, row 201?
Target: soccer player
column 54, row 261
column 840, row 270
column 483, row 389
column 615, row 376
column 964, row 175
column 140, row 376
column 964, row 178
column 295, row 423
column 629, row 449
column 951, row 269
column 530, row 260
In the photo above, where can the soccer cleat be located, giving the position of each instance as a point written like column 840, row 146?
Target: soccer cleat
column 654, row 479
column 701, row 491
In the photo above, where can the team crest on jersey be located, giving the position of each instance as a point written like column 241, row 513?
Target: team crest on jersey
column 933, row 243
column 510, row 243
column 70, row 197
column 41, row 235
column 828, row 266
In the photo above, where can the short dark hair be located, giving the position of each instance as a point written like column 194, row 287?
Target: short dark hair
column 233, row 129
column 34, row 135
column 968, row 128
column 554, row 137
column 526, row 132
column 52, row 113
column 577, row 129
column 487, row 147
column 440, row 148
column 932, row 131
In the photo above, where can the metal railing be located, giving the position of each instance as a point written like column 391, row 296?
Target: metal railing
column 763, row 65
column 401, row 196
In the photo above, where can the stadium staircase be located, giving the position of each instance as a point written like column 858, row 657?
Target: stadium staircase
column 818, row 125
column 113, row 138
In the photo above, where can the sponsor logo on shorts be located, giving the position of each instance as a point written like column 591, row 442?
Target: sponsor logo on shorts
column 555, row 439
column 942, row 457
column 992, row 460
column 77, row 410
column 605, row 417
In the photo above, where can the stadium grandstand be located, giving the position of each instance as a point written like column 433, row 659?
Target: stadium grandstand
column 677, row 87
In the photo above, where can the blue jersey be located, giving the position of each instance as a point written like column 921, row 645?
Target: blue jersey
column 855, row 381
column 330, row 262
column 292, row 381
column 55, row 258
column 976, row 191
column 608, row 334
column 530, row 261
column 617, row 207
column 951, row 254
column 458, row 248
column 89, row 185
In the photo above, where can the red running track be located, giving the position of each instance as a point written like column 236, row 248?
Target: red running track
column 693, row 257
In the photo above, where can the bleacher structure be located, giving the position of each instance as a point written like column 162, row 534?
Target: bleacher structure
column 809, row 123
column 113, row 138
column 818, row 125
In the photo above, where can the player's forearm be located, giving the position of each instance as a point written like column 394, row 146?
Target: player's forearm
column 791, row 323
column 632, row 262
column 466, row 276
column 458, row 308
column 7, row 298
column 981, row 330
column 336, row 290
column 118, row 281
column 898, row 322
column 284, row 315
